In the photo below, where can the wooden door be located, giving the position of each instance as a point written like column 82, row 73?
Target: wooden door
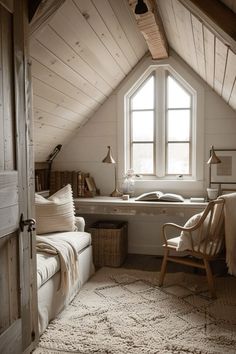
column 18, row 316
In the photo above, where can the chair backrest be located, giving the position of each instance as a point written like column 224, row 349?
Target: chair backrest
column 211, row 229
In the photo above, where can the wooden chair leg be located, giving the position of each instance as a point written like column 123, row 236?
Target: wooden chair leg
column 163, row 267
column 210, row 278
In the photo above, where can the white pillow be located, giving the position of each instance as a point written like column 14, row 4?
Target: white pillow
column 185, row 238
column 55, row 213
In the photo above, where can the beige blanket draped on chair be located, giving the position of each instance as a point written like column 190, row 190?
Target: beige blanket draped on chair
column 230, row 231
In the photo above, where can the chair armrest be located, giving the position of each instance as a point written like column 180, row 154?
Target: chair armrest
column 80, row 223
column 178, row 227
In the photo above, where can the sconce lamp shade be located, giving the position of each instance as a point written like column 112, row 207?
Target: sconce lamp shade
column 109, row 158
column 213, row 158
column 140, row 8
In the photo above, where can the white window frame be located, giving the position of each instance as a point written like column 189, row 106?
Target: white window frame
column 182, row 73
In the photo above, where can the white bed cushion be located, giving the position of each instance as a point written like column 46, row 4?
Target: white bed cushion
column 55, row 213
column 49, row 264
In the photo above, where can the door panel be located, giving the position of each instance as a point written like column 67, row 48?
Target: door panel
column 18, row 324
column 9, row 208
column 9, row 281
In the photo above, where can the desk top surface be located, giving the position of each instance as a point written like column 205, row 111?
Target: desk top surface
column 106, row 200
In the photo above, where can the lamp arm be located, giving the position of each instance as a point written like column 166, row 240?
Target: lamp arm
column 210, row 176
column 115, row 178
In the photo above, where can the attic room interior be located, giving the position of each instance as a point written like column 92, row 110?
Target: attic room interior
column 118, row 176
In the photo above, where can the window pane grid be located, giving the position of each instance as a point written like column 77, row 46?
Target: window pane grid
column 142, row 126
column 142, row 157
column 178, row 158
column 172, row 118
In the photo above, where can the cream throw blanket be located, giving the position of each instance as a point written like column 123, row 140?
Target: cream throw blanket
column 65, row 248
column 230, row 231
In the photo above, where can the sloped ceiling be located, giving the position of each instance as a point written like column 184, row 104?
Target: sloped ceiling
column 82, row 52
column 78, row 58
column 208, row 53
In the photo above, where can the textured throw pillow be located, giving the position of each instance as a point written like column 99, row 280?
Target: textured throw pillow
column 56, row 213
column 185, row 238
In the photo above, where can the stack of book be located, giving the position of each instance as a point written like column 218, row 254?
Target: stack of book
column 41, row 176
column 82, row 183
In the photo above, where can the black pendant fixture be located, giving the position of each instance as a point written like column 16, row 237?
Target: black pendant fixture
column 141, row 8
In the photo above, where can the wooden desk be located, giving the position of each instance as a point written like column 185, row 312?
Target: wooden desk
column 117, row 206
column 145, row 219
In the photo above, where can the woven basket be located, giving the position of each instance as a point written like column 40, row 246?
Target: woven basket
column 110, row 243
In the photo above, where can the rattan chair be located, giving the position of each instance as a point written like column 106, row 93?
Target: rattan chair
column 206, row 242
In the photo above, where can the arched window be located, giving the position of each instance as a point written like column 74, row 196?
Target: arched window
column 160, row 123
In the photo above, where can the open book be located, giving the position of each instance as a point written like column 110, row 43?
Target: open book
column 159, row 196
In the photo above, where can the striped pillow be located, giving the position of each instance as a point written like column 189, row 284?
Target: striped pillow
column 56, row 213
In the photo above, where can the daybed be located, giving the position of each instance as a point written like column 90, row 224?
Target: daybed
column 64, row 259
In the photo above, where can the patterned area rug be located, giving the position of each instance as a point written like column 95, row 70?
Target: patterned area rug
column 121, row 311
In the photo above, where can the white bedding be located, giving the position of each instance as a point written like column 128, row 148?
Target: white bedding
column 47, row 266
column 64, row 247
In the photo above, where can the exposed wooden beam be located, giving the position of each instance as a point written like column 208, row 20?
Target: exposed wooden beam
column 151, row 27
column 217, row 16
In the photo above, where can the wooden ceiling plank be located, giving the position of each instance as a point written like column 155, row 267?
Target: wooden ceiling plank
column 128, row 23
column 44, row 74
column 106, row 12
column 151, row 26
column 183, row 20
column 174, row 39
column 232, row 100
column 47, row 58
column 45, row 132
column 209, row 44
column 216, row 15
column 230, row 75
column 220, row 64
column 53, row 95
column 53, row 108
column 46, row 111
column 87, row 35
column 104, row 68
column 199, row 46
column 42, row 15
column 87, row 8
column 50, row 40
column 46, row 118
column 39, row 125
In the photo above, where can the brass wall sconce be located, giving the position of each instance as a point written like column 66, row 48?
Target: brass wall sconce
column 109, row 159
column 214, row 159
